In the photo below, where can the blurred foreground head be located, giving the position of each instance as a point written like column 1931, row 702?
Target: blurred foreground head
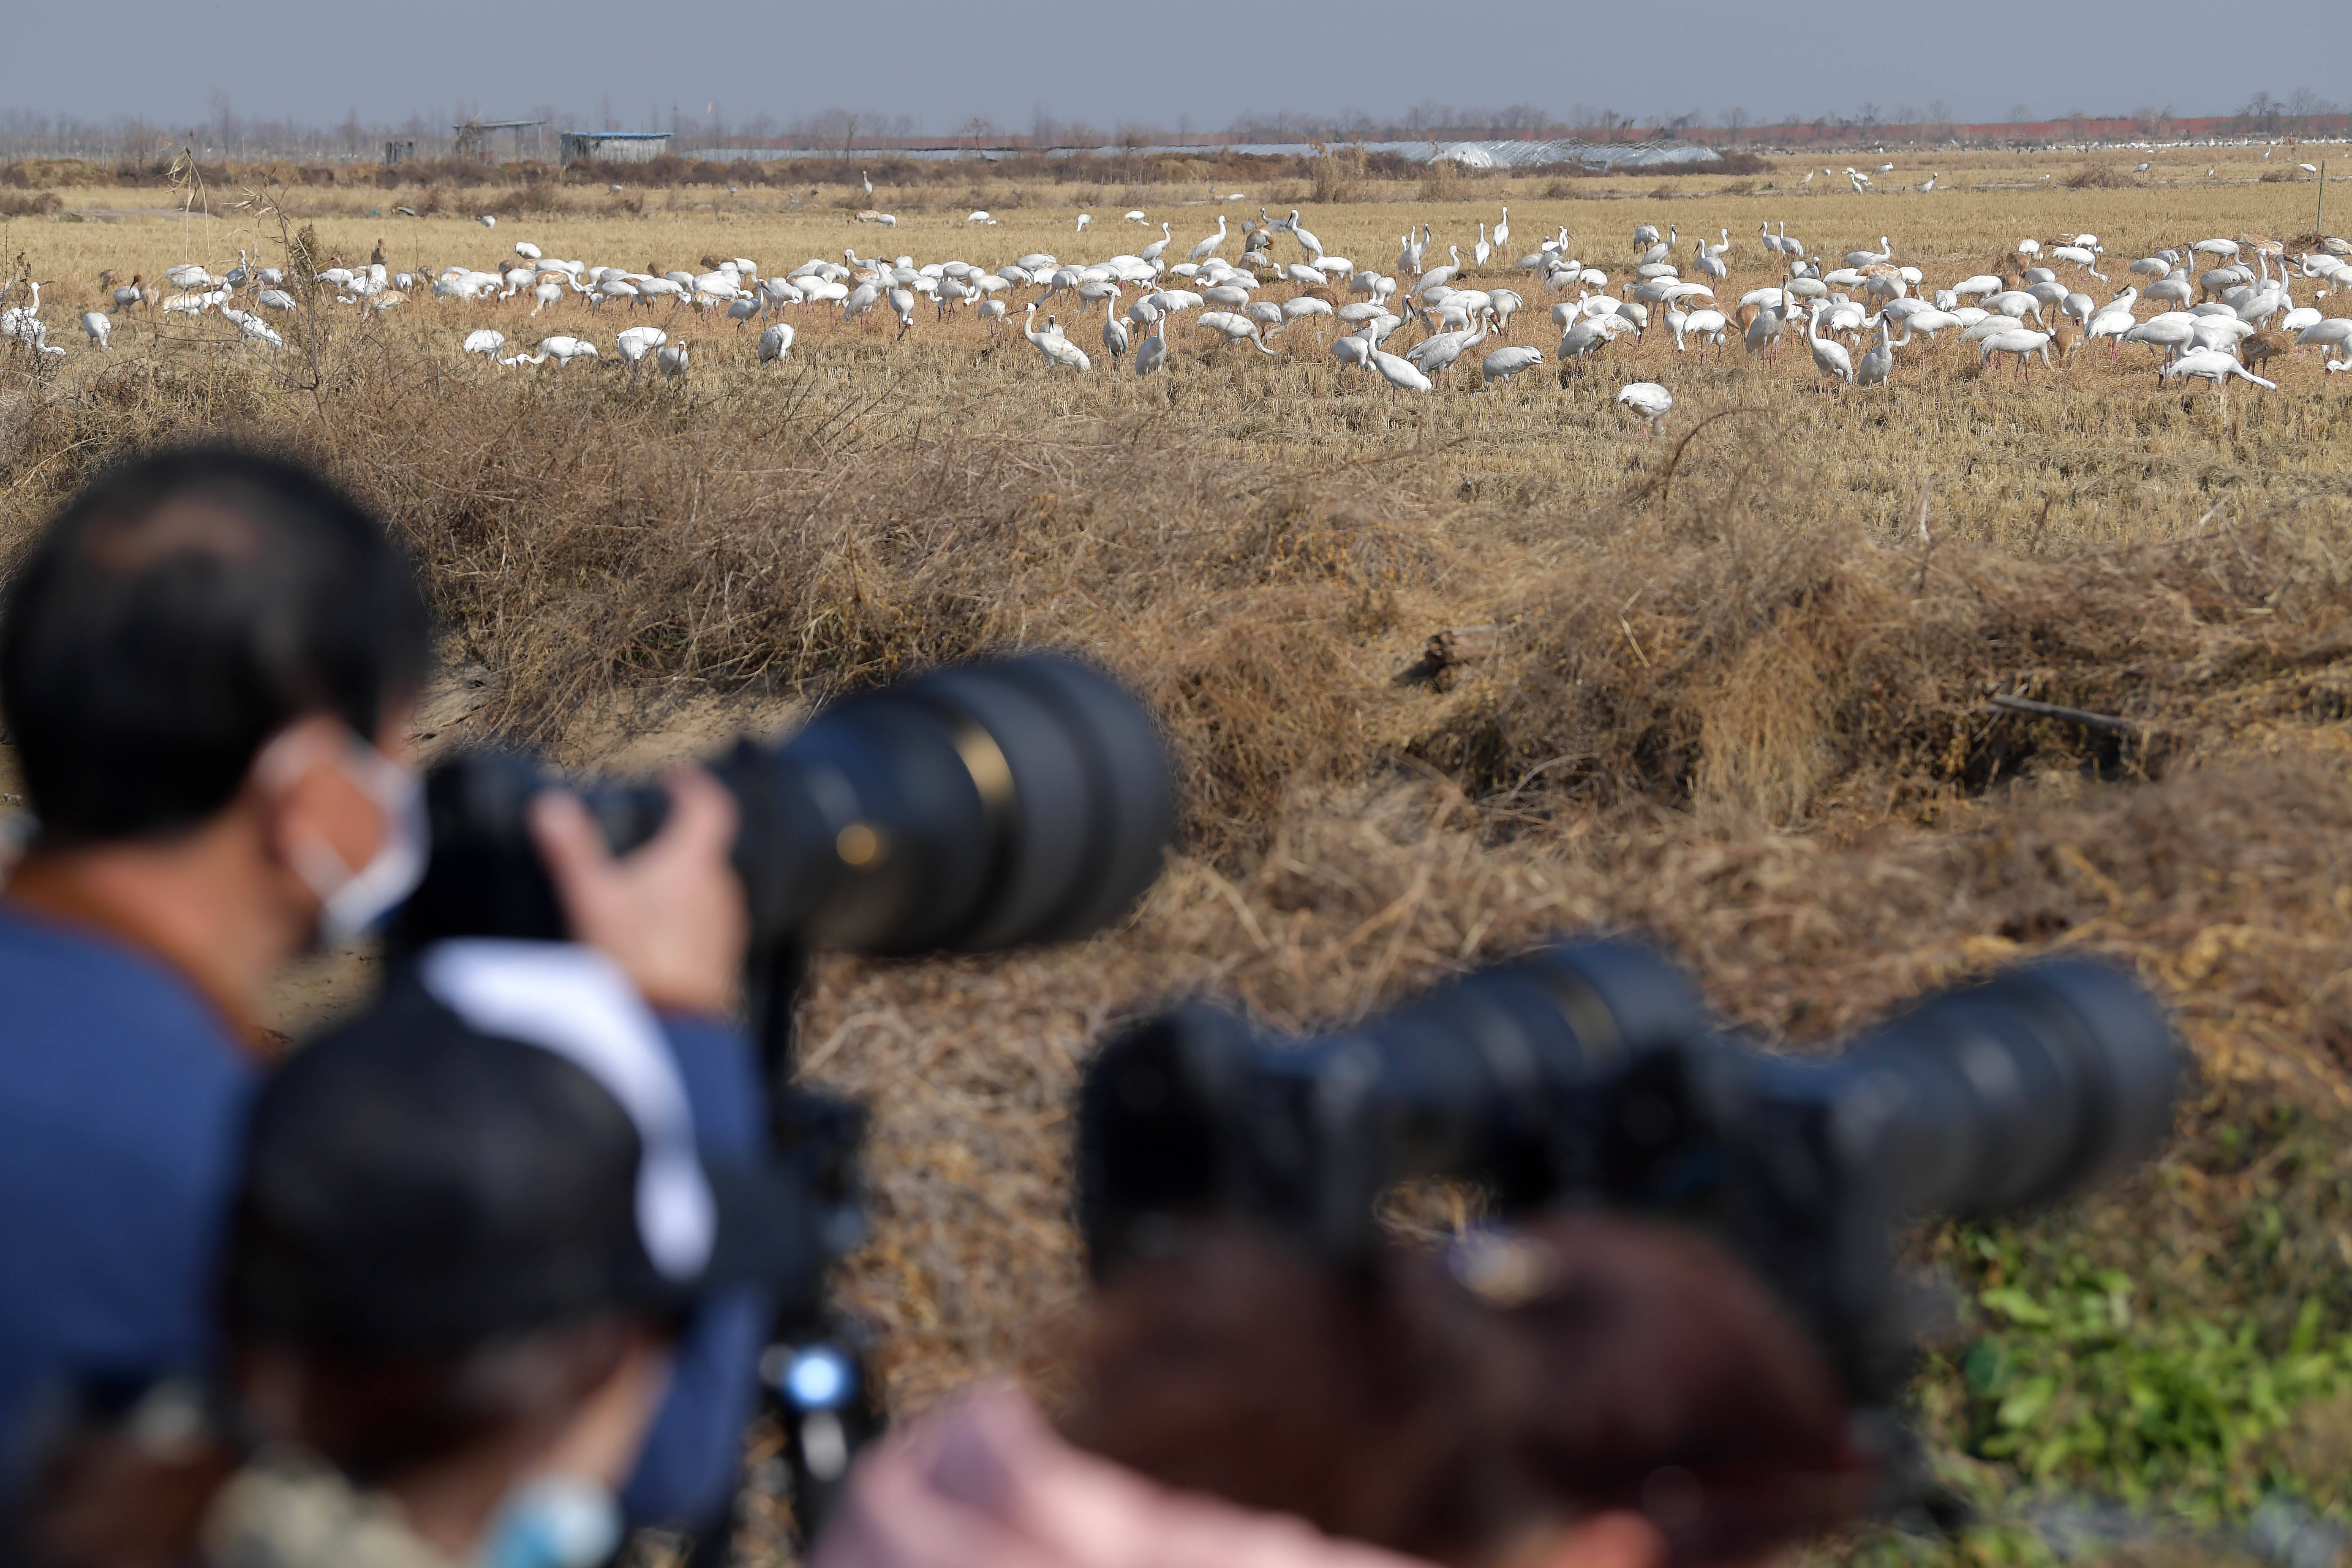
column 1584, row 1391
column 182, row 609
column 207, row 663
column 1465, row 1403
column 468, row 1224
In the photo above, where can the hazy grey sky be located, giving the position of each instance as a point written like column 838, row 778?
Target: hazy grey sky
column 943, row 61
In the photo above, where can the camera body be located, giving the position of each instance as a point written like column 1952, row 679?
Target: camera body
column 980, row 806
column 1589, row 1074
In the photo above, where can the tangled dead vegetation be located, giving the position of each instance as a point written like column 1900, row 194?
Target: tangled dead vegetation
column 1718, row 656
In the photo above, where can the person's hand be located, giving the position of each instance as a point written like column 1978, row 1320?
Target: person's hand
column 671, row 912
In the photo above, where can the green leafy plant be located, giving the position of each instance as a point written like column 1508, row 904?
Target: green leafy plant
column 2071, row 1379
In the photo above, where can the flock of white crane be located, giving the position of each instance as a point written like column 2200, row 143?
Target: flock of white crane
column 2225, row 305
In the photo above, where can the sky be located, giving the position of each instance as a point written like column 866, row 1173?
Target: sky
column 943, row 62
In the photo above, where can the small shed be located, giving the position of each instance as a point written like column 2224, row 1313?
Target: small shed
column 614, row 146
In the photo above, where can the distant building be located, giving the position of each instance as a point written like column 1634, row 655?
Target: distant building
column 614, row 146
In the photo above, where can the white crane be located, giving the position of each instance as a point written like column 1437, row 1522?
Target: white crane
column 1057, row 349
column 1482, row 250
column 1503, row 231
column 673, row 359
column 1151, row 253
column 1590, row 335
column 565, row 350
column 1114, row 331
column 2113, row 320
column 1398, row 372
column 1153, row 352
column 97, row 324
column 1436, row 276
column 1307, row 241
column 1084, row 219
column 1211, row 245
column 1831, row 358
column 1506, row 363
column 1709, row 324
column 2172, row 332
column 2335, row 332
column 2023, row 342
column 1649, row 400
column 254, row 329
column 1235, row 327
column 776, row 342
column 2214, row 365
column 485, row 341
column 1879, row 363
column 1435, row 356
column 636, row 343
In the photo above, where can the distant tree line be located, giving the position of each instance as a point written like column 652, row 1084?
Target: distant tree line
column 226, row 135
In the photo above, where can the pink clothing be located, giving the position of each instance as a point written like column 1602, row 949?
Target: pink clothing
column 986, row 1483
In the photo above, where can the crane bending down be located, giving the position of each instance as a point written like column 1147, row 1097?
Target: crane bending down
column 2215, row 365
column 1236, row 328
column 1506, row 363
column 1398, row 372
column 1650, row 400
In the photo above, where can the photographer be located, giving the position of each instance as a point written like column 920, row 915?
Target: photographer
column 208, row 664
column 467, row 1228
column 1582, row 1392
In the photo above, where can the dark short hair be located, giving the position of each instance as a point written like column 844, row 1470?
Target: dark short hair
column 1441, row 1412
column 181, row 609
column 425, row 1214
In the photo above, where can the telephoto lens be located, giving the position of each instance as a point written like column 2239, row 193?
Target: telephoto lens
column 1487, row 1078
column 2016, row 1092
column 983, row 806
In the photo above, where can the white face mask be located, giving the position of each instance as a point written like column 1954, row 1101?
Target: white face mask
column 352, row 903
column 556, row 1522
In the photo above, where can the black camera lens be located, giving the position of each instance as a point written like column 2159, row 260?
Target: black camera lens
column 2016, row 1092
column 1193, row 1113
column 981, row 806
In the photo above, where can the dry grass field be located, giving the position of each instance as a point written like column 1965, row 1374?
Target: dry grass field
column 1737, row 700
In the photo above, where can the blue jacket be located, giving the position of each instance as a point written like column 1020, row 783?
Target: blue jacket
column 122, row 1098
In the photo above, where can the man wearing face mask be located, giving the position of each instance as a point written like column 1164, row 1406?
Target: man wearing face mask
column 209, row 666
